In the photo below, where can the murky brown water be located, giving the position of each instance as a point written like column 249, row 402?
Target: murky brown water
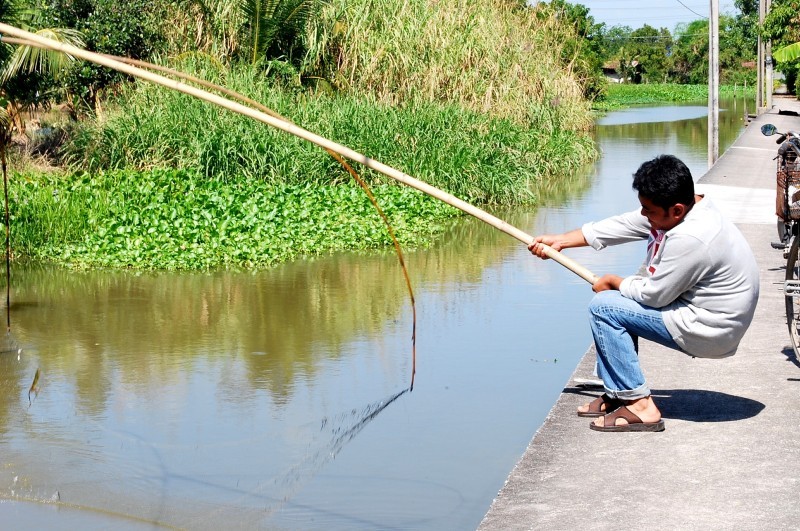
column 278, row 399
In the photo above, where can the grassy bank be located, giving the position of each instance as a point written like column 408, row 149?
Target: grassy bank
column 170, row 182
column 625, row 95
column 472, row 98
column 478, row 157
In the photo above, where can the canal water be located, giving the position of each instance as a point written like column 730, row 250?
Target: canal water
column 280, row 399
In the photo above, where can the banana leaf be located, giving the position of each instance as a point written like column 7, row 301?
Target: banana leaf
column 787, row 53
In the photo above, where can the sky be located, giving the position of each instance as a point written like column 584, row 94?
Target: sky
column 657, row 13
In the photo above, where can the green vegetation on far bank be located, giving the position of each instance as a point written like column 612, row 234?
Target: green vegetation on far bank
column 170, row 182
column 621, row 95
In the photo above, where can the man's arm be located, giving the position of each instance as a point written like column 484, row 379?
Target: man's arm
column 573, row 238
column 607, row 282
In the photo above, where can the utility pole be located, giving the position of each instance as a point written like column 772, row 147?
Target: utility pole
column 762, row 11
column 713, row 83
column 768, row 79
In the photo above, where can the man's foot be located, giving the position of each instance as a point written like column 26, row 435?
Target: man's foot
column 643, row 408
column 599, row 406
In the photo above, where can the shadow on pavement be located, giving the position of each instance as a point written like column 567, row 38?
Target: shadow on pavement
column 791, row 356
column 695, row 405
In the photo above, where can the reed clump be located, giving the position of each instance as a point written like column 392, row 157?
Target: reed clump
column 499, row 57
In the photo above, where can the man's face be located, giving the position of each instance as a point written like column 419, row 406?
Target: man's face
column 660, row 218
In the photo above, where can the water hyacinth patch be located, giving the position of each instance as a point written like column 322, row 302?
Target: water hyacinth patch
column 177, row 220
column 621, row 95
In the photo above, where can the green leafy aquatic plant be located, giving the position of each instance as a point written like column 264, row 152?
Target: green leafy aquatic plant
column 178, row 220
column 625, row 94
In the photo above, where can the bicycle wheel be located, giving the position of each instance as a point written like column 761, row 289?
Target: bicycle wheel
column 791, row 289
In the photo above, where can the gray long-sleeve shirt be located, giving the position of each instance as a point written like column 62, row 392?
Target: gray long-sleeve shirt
column 702, row 273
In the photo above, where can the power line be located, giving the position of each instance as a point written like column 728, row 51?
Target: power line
column 692, row 10
column 664, row 37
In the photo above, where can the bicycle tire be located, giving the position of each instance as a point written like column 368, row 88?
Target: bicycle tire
column 793, row 303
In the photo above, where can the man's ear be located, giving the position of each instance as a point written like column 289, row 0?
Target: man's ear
column 678, row 211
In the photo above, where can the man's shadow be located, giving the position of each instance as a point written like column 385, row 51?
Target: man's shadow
column 696, row 405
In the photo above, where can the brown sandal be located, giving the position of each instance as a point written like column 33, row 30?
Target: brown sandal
column 611, row 404
column 634, row 422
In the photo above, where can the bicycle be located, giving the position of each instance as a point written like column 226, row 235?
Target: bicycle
column 788, row 211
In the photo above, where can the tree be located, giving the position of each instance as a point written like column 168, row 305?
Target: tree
column 737, row 45
column 583, row 50
column 650, row 48
column 613, row 40
column 128, row 28
column 690, row 53
column 27, row 74
column 782, row 26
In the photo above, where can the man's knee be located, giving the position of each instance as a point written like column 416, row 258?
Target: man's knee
column 603, row 301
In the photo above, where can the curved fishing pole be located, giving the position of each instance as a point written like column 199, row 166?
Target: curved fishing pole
column 271, row 112
column 241, row 97
column 287, row 127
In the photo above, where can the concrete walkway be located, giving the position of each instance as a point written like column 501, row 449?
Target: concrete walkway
column 730, row 455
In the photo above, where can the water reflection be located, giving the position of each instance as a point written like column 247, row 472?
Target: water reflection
column 673, row 129
column 647, row 115
column 279, row 399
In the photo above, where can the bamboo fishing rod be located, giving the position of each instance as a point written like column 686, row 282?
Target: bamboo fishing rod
column 299, row 132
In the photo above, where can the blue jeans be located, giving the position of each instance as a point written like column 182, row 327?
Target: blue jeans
column 617, row 324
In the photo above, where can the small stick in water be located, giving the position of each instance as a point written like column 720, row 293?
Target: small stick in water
column 34, row 387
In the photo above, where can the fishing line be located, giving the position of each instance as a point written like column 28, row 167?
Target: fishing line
column 305, row 470
column 10, row 345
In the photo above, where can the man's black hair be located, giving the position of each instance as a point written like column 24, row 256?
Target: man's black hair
column 666, row 181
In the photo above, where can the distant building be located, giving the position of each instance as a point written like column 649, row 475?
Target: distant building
column 611, row 71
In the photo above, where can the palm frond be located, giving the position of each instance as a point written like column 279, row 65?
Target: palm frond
column 259, row 16
column 6, row 127
column 5, row 118
column 32, row 59
column 296, row 14
column 277, row 21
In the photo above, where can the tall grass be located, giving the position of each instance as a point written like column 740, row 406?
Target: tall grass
column 500, row 57
column 474, row 156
